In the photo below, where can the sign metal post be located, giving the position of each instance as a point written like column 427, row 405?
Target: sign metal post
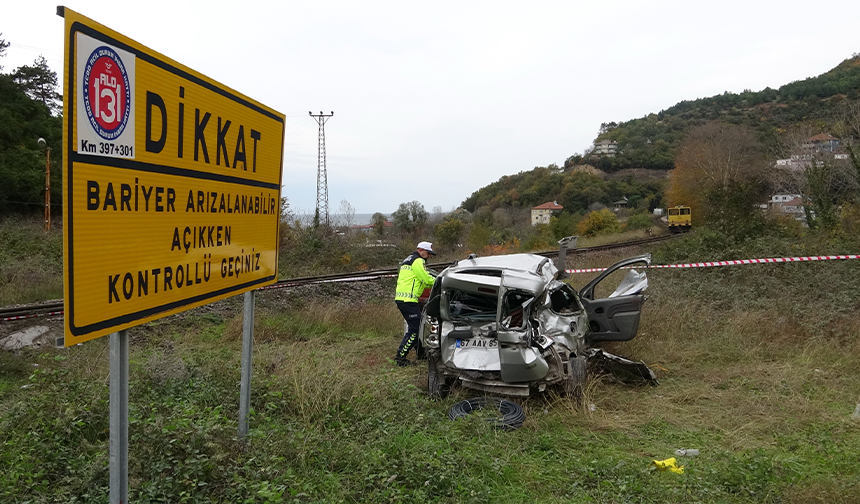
column 119, row 417
column 247, row 344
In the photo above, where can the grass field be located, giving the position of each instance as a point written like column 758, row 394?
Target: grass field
column 31, row 261
column 759, row 369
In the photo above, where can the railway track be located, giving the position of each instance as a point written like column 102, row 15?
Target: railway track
column 55, row 308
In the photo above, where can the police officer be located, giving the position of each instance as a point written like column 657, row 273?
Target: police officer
column 411, row 282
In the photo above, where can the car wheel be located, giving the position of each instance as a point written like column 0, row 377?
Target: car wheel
column 512, row 413
column 437, row 385
column 577, row 378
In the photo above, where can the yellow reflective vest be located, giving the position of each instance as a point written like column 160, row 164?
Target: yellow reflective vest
column 412, row 279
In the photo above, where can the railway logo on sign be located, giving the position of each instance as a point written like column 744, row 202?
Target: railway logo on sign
column 107, row 93
column 105, row 88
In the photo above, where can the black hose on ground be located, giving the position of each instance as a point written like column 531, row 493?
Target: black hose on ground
column 512, row 417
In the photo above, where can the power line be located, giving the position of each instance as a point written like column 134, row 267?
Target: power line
column 33, row 203
column 322, row 176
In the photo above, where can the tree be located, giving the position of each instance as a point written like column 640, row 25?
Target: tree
column 479, row 236
column 563, row 225
column 450, row 232
column 378, row 220
column 286, row 213
column 509, row 218
column 720, row 172
column 3, row 46
column 22, row 162
column 823, row 180
column 850, row 121
column 410, row 217
column 540, row 238
column 39, row 82
column 573, row 160
column 346, row 213
column 607, row 127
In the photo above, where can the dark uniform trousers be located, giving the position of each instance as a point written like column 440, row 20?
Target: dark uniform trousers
column 412, row 315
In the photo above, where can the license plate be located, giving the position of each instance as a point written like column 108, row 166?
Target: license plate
column 463, row 344
column 481, row 354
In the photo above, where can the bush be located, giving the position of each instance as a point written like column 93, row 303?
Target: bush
column 638, row 221
column 564, row 225
column 449, row 233
column 541, row 238
column 318, row 250
column 597, row 223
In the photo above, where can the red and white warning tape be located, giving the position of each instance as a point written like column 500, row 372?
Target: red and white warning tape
column 328, row 280
column 21, row 317
column 734, row 263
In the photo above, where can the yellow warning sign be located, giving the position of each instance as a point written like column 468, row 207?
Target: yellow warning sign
column 171, row 185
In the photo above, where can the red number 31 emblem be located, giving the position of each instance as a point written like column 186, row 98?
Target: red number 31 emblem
column 107, row 97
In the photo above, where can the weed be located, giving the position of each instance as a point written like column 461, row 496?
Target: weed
column 31, row 262
column 758, row 369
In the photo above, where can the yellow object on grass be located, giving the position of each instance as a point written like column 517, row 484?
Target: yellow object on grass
column 669, row 464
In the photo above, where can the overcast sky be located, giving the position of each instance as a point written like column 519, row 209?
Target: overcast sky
column 434, row 100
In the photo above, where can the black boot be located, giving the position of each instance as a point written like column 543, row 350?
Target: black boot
column 409, row 340
column 403, row 362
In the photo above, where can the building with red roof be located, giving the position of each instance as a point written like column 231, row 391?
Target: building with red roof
column 542, row 213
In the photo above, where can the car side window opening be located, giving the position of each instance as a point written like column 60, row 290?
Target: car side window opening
column 609, row 284
column 514, row 309
column 564, row 300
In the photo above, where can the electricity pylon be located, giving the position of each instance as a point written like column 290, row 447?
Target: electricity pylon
column 322, row 176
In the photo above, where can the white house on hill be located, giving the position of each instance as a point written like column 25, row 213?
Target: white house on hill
column 542, row 213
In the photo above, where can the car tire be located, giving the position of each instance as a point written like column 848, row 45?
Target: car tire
column 577, row 377
column 512, row 413
column 437, row 385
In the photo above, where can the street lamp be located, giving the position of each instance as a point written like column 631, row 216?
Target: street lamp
column 44, row 145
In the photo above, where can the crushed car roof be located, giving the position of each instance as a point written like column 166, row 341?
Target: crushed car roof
column 527, row 263
column 525, row 271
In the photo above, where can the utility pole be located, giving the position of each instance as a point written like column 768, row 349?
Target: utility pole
column 322, row 176
column 44, row 145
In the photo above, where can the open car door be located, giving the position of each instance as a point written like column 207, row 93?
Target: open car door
column 616, row 316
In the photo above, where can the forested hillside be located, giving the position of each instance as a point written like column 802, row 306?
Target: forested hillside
column 653, row 141
column 574, row 190
column 29, row 109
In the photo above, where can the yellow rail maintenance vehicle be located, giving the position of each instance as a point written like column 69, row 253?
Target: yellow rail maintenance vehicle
column 679, row 219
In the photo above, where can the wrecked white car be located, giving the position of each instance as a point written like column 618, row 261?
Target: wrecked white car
column 507, row 325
